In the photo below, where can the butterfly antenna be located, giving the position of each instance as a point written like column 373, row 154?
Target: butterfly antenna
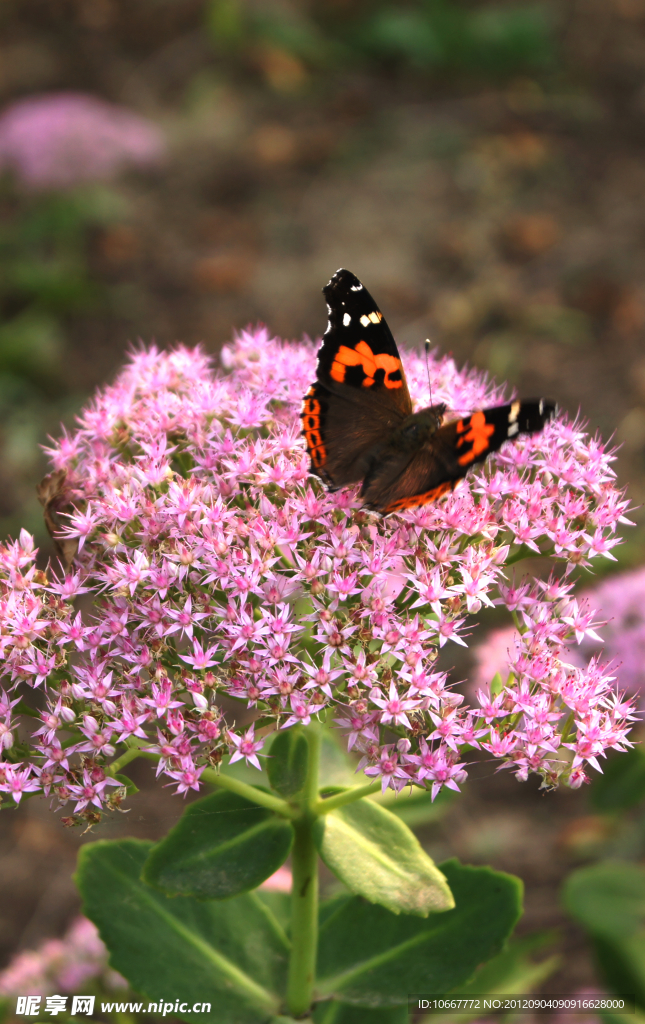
column 427, row 347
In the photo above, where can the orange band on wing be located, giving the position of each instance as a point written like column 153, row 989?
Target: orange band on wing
column 477, row 431
column 363, row 356
column 414, row 500
column 310, row 417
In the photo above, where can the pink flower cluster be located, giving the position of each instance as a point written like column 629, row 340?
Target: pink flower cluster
column 219, row 569
column 620, row 601
column 61, row 965
column 62, row 139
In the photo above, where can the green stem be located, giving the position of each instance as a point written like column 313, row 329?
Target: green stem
column 525, row 552
column 130, row 755
column 304, row 890
column 518, row 625
column 257, row 796
column 567, row 727
column 330, row 803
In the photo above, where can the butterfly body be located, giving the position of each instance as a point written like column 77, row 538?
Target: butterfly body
column 358, row 420
column 418, row 428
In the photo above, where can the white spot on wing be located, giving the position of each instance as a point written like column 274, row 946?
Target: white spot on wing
column 375, row 317
column 365, row 320
column 347, row 320
column 356, row 287
column 541, row 407
column 514, row 413
column 513, row 429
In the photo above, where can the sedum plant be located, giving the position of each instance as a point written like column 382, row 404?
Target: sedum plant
column 213, row 604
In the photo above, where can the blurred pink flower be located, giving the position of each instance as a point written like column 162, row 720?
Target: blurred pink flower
column 279, row 881
column 61, row 965
column 62, row 139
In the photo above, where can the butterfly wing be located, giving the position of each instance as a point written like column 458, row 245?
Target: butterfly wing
column 360, row 394
column 396, row 484
column 358, row 355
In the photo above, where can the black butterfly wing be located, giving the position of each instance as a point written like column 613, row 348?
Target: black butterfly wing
column 400, row 482
column 342, row 436
column 361, row 394
column 358, row 354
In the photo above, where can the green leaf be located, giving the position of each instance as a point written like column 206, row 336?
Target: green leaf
column 622, row 784
column 341, row 1013
column 621, row 965
column 232, row 954
column 618, row 1018
column 608, row 899
column 511, row 972
column 416, row 807
column 288, row 761
column 336, row 767
column 496, row 684
column 279, row 904
column 222, row 845
column 378, row 857
column 368, row 956
column 130, row 787
column 31, row 344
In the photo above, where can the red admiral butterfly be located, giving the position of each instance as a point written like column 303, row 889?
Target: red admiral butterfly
column 358, row 422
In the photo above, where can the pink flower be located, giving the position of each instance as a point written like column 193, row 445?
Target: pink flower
column 614, row 607
column 61, row 965
column 388, row 769
column 15, row 780
column 200, row 659
column 60, row 139
column 187, row 776
column 247, row 747
column 280, row 881
column 215, row 571
column 394, row 708
column 90, row 791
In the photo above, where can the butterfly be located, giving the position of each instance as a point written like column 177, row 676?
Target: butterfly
column 358, row 422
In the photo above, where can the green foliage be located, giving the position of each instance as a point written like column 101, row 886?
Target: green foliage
column 416, row 808
column 608, row 899
column 43, row 253
column 46, row 279
column 433, row 34
column 622, row 784
column 511, row 972
column 288, row 762
column 232, row 953
column 369, row 956
column 341, row 1013
column 31, row 346
column 378, row 857
column 128, row 784
column 419, row 36
column 223, row 845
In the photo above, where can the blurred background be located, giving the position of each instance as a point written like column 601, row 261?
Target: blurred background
column 176, row 169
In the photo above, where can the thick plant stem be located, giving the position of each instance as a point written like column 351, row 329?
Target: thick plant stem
column 304, row 891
